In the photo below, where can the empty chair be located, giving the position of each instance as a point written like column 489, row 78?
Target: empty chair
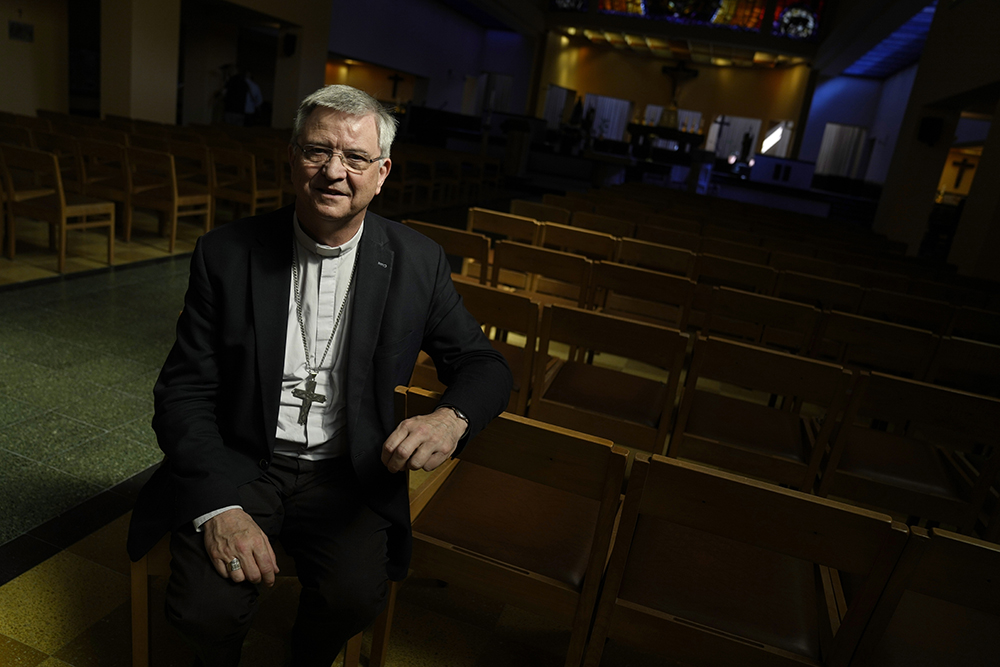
column 917, row 449
column 501, row 227
column 519, row 266
column 976, row 324
column 62, row 211
column 862, row 342
column 525, row 517
column 605, row 224
column 234, row 179
column 108, row 134
column 636, row 293
column 969, row 365
column 781, row 244
column 824, row 293
column 761, row 320
column 570, row 203
column 107, row 174
column 759, row 412
column 716, row 270
column 16, row 135
column 65, row 148
column 595, row 245
column 192, row 160
column 734, row 250
column 469, row 246
column 804, row 264
column 540, row 212
column 873, row 278
column 709, row 568
column 162, row 191
column 734, row 233
column 629, row 389
column 504, row 317
column 913, row 311
column 940, row 607
column 668, row 236
column 656, row 257
column 672, row 222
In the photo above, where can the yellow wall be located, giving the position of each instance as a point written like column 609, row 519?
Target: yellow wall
column 950, row 172
column 372, row 79
column 35, row 75
column 768, row 94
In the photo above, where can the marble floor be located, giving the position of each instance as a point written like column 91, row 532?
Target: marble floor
column 78, row 358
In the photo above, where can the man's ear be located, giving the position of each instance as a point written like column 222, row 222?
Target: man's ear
column 383, row 173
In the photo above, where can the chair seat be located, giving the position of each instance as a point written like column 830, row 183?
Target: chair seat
column 750, row 592
column 544, row 530
column 893, row 460
column 928, row 632
column 608, row 391
column 774, row 432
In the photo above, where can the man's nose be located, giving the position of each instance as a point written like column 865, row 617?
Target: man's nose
column 334, row 169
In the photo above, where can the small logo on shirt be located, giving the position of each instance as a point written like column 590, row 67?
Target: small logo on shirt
column 383, row 265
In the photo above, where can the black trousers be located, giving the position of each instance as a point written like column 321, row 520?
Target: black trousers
column 339, row 548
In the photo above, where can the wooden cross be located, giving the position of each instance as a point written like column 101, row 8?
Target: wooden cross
column 963, row 166
column 395, row 78
column 308, row 396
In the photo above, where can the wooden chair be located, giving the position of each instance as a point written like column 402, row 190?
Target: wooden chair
column 192, row 161
column 604, row 224
column 640, row 294
column 824, row 293
column 940, row 607
column 968, row 365
column 157, row 563
column 67, row 150
column 26, row 186
column 861, row 342
column 501, row 226
column 759, row 412
column 16, row 135
column 913, row 311
column 501, row 313
column 710, row 568
column 544, row 275
column 108, row 134
column 540, row 212
column 471, row 247
column 162, row 191
column 716, row 270
column 609, row 397
column 525, row 516
column 925, row 451
column 804, row 264
column 62, row 211
column 667, row 236
column 573, row 204
column 595, row 245
column 873, row 278
column 674, row 222
column 656, row 257
column 736, row 233
column 976, row 324
column 734, row 250
column 761, row 320
column 234, row 179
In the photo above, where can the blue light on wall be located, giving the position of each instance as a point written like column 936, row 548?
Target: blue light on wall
column 897, row 51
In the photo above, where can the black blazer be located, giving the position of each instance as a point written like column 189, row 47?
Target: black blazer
column 218, row 393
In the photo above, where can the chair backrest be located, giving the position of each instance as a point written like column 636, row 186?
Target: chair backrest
column 570, row 203
column 913, row 311
column 873, row 278
column 458, row 243
column 503, row 226
column 673, row 222
column 976, row 324
column 734, row 250
column 866, row 343
column 68, row 151
column 605, row 224
column 668, row 236
column 154, row 169
column 29, row 171
column 969, row 365
column 594, row 245
column 786, row 245
column 737, row 233
column 698, row 549
column 761, row 319
column 530, row 260
column 16, row 135
column 941, row 605
column 803, row 264
column 715, row 270
column 33, row 123
column 110, row 135
column 656, row 257
column 896, row 449
column 824, row 293
column 234, row 166
column 637, row 293
column 540, row 212
column 150, row 142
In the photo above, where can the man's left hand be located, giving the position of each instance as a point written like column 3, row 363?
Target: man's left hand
column 423, row 442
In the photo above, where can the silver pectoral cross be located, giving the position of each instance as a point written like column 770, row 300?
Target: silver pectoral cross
column 308, row 396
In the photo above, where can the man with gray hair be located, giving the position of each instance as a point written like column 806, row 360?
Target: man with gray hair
column 275, row 406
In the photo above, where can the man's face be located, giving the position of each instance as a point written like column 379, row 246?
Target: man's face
column 329, row 198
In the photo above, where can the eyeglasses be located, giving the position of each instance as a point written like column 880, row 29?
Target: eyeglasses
column 320, row 156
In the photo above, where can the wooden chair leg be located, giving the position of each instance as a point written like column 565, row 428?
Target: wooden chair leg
column 382, row 628
column 352, row 652
column 140, row 614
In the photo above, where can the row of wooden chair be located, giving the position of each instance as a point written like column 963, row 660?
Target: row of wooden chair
column 695, row 565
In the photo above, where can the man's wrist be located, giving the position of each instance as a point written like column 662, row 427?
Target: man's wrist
column 460, row 415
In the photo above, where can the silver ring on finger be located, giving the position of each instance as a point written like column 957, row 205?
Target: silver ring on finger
column 234, row 565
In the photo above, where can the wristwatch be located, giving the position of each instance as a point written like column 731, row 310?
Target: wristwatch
column 459, row 414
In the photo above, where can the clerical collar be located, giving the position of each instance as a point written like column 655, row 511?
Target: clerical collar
column 312, row 246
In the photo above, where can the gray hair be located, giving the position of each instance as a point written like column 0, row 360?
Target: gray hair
column 352, row 102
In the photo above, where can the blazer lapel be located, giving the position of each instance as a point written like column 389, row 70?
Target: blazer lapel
column 270, row 281
column 374, row 271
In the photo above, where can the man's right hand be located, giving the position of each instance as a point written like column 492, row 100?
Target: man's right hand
column 234, row 534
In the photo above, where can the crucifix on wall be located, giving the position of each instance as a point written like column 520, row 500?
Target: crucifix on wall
column 963, row 166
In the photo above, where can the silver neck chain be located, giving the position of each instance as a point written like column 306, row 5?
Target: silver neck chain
column 311, row 371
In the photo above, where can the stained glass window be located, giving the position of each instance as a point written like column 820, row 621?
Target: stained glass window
column 796, row 19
